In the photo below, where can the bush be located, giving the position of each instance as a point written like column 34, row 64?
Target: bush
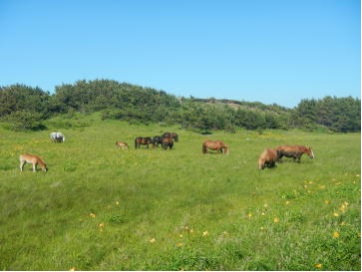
column 24, row 120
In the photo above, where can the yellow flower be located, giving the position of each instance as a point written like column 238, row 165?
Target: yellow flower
column 152, row 240
column 72, row 269
column 101, row 225
column 205, row 233
column 117, row 203
column 92, row 215
column 336, row 234
column 335, row 214
column 250, row 215
column 276, row 220
column 318, row 265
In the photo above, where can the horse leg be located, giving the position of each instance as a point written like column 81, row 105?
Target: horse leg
column 22, row 163
column 34, row 167
column 298, row 157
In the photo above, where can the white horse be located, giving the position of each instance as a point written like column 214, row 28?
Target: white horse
column 57, row 137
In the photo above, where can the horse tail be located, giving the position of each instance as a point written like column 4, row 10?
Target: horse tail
column 204, row 148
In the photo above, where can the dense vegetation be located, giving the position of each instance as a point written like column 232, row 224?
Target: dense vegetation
column 24, row 107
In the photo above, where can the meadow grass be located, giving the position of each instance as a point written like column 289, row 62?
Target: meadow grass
column 102, row 208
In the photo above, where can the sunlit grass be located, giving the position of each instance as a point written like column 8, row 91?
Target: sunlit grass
column 103, row 208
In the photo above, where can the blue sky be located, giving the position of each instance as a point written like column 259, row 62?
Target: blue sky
column 271, row 51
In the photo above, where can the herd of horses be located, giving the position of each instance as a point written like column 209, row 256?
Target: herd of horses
column 268, row 158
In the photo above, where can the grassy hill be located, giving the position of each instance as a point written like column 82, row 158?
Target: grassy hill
column 102, row 208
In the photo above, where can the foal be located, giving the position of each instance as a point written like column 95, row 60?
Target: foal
column 122, row 145
column 33, row 159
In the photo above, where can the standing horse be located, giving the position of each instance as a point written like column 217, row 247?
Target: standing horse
column 167, row 143
column 172, row 135
column 268, row 158
column 215, row 145
column 122, row 145
column 294, row 151
column 143, row 141
column 57, row 137
column 33, row 159
column 157, row 140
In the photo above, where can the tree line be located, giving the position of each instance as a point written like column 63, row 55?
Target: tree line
column 26, row 108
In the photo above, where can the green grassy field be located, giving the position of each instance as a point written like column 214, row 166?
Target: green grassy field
column 102, row 208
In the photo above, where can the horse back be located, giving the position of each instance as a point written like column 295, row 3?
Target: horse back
column 34, row 159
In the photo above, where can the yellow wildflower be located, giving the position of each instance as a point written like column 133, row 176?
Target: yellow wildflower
column 276, row 220
column 152, row 240
column 72, row 269
column 318, row 265
column 205, row 233
column 336, row 214
column 336, row 234
column 92, row 215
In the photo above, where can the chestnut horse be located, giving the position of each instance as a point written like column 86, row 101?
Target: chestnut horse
column 294, row 151
column 167, row 143
column 215, row 145
column 143, row 141
column 172, row 135
column 268, row 158
column 33, row 159
column 122, row 145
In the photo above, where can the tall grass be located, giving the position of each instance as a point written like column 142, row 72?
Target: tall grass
column 102, row 208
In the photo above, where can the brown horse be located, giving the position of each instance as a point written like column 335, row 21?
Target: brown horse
column 215, row 145
column 122, row 145
column 268, row 158
column 33, row 159
column 167, row 143
column 294, row 151
column 172, row 135
column 143, row 141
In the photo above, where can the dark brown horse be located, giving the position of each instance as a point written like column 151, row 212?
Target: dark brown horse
column 167, row 143
column 294, row 151
column 215, row 145
column 142, row 141
column 268, row 158
column 172, row 135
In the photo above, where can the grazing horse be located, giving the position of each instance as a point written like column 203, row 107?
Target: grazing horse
column 157, row 140
column 172, row 135
column 167, row 143
column 57, row 137
column 122, row 145
column 33, row 159
column 215, row 145
column 268, row 158
column 142, row 141
column 294, row 151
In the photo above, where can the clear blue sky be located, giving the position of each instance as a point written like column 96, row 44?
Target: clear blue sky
column 272, row 51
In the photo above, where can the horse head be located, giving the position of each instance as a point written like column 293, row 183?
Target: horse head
column 309, row 152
